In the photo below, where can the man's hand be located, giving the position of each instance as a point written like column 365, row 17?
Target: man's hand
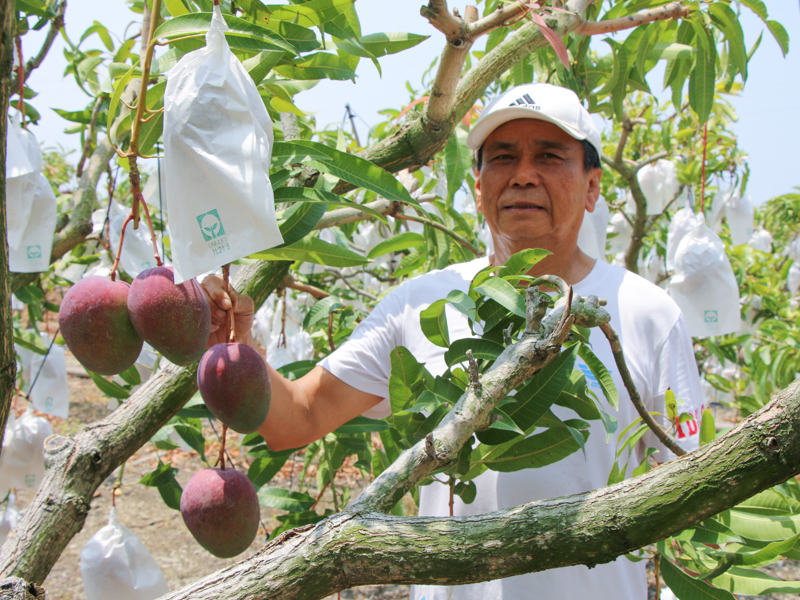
column 220, row 303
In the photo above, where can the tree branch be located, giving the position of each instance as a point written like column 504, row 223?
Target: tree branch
column 359, row 548
column 673, row 10
column 442, row 228
column 55, row 26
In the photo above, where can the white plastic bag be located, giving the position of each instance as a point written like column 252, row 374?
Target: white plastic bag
column 682, row 223
column 32, row 254
column 297, row 344
column 593, row 231
column 793, row 278
column 11, row 517
column 22, row 461
column 740, row 217
column 21, row 179
column 659, row 183
column 761, row 240
column 650, row 266
column 704, row 285
column 50, row 393
column 115, row 564
column 217, row 145
column 619, row 233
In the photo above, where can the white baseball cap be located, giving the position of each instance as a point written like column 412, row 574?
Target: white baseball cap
column 543, row 101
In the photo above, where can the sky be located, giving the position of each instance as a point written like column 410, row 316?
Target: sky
column 768, row 126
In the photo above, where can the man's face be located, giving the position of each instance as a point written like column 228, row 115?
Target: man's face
column 532, row 188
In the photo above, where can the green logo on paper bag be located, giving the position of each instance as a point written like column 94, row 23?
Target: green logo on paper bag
column 35, row 251
column 210, row 225
column 711, row 316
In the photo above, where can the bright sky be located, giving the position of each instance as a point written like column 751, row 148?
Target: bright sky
column 767, row 107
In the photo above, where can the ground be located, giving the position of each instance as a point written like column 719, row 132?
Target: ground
column 161, row 529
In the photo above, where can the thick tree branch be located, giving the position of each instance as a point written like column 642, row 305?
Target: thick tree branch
column 360, row 548
column 55, row 26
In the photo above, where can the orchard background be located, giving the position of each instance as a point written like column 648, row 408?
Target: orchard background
column 358, row 217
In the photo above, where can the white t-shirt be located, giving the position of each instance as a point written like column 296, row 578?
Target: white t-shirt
column 658, row 351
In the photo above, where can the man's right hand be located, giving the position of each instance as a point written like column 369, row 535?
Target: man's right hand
column 220, row 302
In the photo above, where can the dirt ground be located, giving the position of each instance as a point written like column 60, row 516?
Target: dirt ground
column 161, row 529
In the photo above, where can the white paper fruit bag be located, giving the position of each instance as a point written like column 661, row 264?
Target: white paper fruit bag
column 704, row 285
column 115, row 564
column 22, row 172
column 22, row 461
column 659, row 183
column 217, row 146
column 48, row 376
column 32, row 254
column 593, row 231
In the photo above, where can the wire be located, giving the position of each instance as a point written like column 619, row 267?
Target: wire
column 41, row 366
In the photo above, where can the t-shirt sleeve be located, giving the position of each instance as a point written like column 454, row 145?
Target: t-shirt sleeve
column 363, row 361
column 676, row 370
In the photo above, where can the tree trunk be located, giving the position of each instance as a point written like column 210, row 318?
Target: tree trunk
column 8, row 357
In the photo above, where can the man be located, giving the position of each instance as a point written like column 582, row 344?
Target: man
column 538, row 172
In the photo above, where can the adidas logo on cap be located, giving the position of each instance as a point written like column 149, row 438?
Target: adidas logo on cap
column 527, row 102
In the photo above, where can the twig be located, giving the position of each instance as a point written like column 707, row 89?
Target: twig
column 152, row 229
column 440, row 227
column 350, row 286
column 673, row 10
column 87, row 145
column 128, row 219
column 619, row 358
column 294, row 284
column 56, row 24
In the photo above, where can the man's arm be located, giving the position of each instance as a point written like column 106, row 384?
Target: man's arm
column 301, row 411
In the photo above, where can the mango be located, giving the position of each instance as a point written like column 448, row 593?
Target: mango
column 220, row 509
column 173, row 319
column 93, row 319
column 234, row 383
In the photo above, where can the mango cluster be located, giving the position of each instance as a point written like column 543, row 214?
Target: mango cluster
column 104, row 323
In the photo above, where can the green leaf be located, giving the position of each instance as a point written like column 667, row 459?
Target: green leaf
column 30, row 340
column 261, row 64
column 114, row 103
column 298, row 194
column 295, row 152
column 319, row 66
column 109, row 388
column 241, row 34
column 321, row 309
column 670, row 51
column 309, row 14
column 763, row 528
column 131, row 376
column 195, row 408
column 481, row 349
column 602, row 375
column 362, row 425
column 534, row 400
column 462, row 303
column 396, row 243
column 728, row 22
column 263, row 469
column 194, row 437
column 275, row 497
column 433, row 322
column 532, row 452
column 741, row 580
column 160, row 476
column 504, row 294
column 457, row 161
column 708, row 430
column 780, row 35
column 403, row 380
column 302, row 38
column 301, row 221
column 703, row 76
column 314, row 250
column 176, row 8
column 522, row 262
column 362, row 173
column 170, row 493
column 689, row 588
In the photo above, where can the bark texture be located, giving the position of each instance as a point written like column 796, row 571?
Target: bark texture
column 358, row 548
column 8, row 361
